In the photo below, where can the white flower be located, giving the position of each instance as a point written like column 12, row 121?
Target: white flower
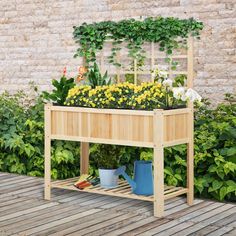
column 153, row 74
column 162, row 67
column 167, row 83
column 179, row 93
column 163, row 73
column 193, row 96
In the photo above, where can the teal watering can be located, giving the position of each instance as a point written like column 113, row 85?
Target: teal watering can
column 142, row 184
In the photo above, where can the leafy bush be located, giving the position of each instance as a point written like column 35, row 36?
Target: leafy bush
column 22, row 140
column 22, row 143
column 215, row 151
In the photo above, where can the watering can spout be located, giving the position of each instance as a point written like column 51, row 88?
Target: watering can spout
column 142, row 184
column 121, row 171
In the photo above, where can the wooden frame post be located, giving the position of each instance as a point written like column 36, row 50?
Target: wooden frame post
column 84, row 146
column 190, row 144
column 158, row 156
column 84, row 158
column 47, row 152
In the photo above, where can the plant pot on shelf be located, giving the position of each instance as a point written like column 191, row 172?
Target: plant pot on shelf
column 108, row 179
column 107, row 157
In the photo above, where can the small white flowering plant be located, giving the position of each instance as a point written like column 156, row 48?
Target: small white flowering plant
column 175, row 89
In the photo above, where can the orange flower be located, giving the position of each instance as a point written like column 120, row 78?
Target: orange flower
column 80, row 77
column 82, row 70
column 64, row 71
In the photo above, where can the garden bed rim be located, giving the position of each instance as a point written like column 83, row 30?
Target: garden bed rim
column 117, row 111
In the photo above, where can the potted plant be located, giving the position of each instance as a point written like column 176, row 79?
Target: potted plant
column 107, row 158
column 60, row 89
column 95, row 78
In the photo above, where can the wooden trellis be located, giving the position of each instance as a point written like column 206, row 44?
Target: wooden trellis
column 155, row 129
column 152, row 54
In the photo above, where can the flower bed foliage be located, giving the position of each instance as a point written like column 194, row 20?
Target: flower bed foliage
column 146, row 96
column 22, row 141
column 165, row 31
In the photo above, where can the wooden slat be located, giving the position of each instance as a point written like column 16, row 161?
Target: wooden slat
column 152, row 60
column 99, row 140
column 43, row 216
column 176, row 129
column 227, row 220
column 122, row 190
column 26, row 211
column 58, row 222
column 178, row 192
column 61, row 229
column 86, row 224
column 200, row 212
column 177, row 111
column 135, row 72
column 105, row 226
column 176, row 142
column 148, row 72
column 102, row 111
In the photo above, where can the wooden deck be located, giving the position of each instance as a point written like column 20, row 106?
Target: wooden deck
column 24, row 212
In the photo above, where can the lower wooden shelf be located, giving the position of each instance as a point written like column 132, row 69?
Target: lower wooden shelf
column 123, row 190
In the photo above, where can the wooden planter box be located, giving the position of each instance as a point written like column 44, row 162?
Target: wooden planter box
column 154, row 129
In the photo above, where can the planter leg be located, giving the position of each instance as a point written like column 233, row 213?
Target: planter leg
column 47, row 167
column 47, row 152
column 84, row 158
column 190, row 174
column 158, row 182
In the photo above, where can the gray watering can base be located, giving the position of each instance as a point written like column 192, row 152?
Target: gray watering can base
column 142, row 184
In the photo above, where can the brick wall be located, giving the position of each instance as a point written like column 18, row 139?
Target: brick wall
column 36, row 38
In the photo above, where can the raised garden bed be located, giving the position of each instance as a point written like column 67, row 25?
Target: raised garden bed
column 154, row 129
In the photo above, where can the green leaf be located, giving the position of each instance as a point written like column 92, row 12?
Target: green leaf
column 168, row 171
column 223, row 193
column 215, row 185
column 179, row 177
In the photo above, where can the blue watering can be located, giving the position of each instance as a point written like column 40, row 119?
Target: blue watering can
column 143, row 179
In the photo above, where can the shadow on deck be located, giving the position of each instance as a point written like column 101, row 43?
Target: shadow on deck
column 24, row 212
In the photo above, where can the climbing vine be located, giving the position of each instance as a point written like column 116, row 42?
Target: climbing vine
column 165, row 31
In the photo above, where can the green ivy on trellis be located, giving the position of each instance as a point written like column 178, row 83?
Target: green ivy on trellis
column 165, row 31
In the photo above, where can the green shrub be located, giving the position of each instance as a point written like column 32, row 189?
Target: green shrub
column 215, row 151
column 22, row 144
column 22, row 140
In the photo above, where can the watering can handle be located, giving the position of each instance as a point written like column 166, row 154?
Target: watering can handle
column 121, row 171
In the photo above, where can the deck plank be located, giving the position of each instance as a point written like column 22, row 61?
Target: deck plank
column 221, row 231
column 23, row 211
column 42, row 219
column 39, row 228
